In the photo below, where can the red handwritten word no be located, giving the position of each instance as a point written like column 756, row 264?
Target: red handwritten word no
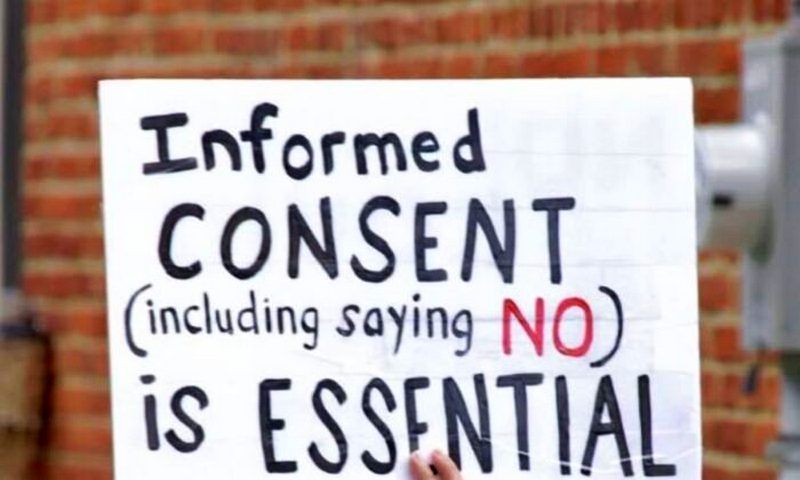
column 536, row 333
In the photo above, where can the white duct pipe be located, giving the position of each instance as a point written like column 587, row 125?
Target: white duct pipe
column 733, row 185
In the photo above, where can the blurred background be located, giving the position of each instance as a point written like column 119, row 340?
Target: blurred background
column 54, row 388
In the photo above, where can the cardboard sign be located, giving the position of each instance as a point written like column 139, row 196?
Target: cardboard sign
column 310, row 279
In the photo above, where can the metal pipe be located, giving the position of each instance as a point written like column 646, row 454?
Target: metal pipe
column 14, row 25
column 794, row 14
column 733, row 187
column 787, row 448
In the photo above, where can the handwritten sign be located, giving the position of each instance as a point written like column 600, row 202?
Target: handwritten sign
column 316, row 278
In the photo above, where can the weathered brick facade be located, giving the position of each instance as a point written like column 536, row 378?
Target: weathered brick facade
column 73, row 43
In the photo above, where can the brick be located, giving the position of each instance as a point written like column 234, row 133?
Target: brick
column 64, row 284
column 614, row 61
column 80, row 401
column 77, row 84
column 322, row 70
column 331, row 35
column 727, row 344
column 181, row 39
column 629, row 16
column 39, row 90
column 717, row 105
column 246, row 42
column 60, row 470
column 710, row 57
column 735, row 10
column 395, row 31
column 299, row 37
column 706, row 340
column 171, row 7
column 650, row 60
column 62, row 125
column 574, row 63
column 74, row 9
column 759, row 437
column 696, row 14
column 280, row 5
column 500, row 65
column 289, row 70
column 710, row 389
column 586, row 18
column 737, row 472
column 727, row 390
column 544, row 21
column 408, row 68
column 764, row 10
column 42, row 11
column 117, row 8
column 655, row 14
column 709, row 433
column 62, row 207
column 460, row 66
column 781, row 12
column 462, row 27
column 509, row 23
column 719, row 292
column 231, row 6
column 79, row 438
column 78, row 361
column 729, row 435
column 739, row 436
column 60, row 245
column 768, row 394
column 99, row 43
column 537, row 64
column 571, row 63
column 87, row 321
column 719, row 255
column 579, row 18
column 605, row 17
column 732, row 390
column 62, row 167
column 43, row 50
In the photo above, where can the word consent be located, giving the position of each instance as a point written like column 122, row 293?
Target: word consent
column 325, row 251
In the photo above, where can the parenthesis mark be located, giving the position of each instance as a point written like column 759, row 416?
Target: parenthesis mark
column 620, row 324
column 139, row 352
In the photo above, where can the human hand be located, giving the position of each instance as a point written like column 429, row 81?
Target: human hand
column 446, row 468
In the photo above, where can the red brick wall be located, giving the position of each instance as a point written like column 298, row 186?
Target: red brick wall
column 73, row 43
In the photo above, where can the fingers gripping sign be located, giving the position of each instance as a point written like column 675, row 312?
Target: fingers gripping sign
column 445, row 467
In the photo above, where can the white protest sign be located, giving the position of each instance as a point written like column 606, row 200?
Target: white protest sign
column 315, row 278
